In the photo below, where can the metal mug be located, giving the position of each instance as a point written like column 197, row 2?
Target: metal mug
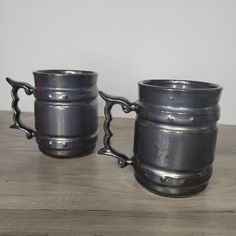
column 65, row 108
column 175, row 134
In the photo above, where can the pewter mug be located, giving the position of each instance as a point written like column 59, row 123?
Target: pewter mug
column 65, row 111
column 175, row 135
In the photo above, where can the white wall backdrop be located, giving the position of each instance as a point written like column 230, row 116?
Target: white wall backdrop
column 125, row 41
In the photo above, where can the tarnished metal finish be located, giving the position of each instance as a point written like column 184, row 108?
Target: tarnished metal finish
column 66, row 112
column 175, row 135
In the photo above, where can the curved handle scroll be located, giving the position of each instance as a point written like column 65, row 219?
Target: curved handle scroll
column 127, row 107
column 18, row 124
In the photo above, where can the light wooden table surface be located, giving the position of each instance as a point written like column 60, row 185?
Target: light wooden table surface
column 40, row 195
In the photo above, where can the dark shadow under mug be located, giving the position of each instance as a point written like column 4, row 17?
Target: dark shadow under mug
column 65, row 108
column 175, row 134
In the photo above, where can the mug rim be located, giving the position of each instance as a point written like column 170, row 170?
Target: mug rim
column 206, row 86
column 64, row 72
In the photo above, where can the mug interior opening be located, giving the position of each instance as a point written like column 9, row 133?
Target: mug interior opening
column 180, row 84
column 64, row 72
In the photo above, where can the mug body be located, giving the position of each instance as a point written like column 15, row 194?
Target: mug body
column 175, row 135
column 66, row 106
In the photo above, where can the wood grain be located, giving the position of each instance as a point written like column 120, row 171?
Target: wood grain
column 40, row 195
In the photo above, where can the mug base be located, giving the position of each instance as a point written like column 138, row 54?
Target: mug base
column 170, row 191
column 69, row 153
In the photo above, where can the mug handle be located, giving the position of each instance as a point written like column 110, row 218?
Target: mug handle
column 18, row 124
column 127, row 107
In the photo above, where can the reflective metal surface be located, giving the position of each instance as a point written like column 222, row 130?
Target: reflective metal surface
column 65, row 111
column 175, row 135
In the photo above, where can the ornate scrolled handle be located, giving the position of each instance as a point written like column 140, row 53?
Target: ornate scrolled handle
column 127, row 107
column 18, row 124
